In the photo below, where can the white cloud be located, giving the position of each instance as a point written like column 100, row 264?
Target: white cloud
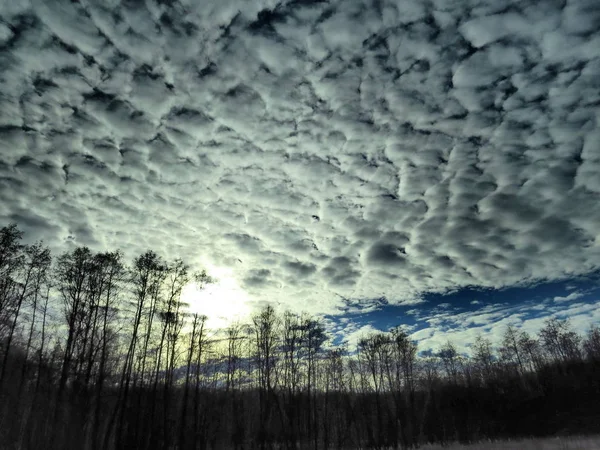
column 572, row 296
column 491, row 321
column 458, row 149
column 353, row 334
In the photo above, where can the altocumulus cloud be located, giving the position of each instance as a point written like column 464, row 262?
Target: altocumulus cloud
column 323, row 150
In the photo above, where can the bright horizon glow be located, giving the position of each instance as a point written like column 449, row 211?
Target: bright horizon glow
column 223, row 301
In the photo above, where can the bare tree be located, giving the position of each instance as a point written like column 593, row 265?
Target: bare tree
column 510, row 351
column 292, row 354
column 201, row 349
column 197, row 321
column 145, row 278
column 72, row 271
column 266, row 341
column 201, row 280
column 484, row 359
column 591, row 344
column 35, row 261
column 112, row 273
column 375, row 353
column 11, row 260
column 450, row 360
column 531, row 351
column 40, row 287
column 561, row 343
column 404, row 356
column 312, row 338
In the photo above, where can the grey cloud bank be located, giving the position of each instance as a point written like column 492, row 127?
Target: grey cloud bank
column 322, row 150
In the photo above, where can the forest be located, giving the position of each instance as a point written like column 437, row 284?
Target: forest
column 100, row 353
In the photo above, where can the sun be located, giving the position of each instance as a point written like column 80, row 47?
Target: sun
column 223, row 301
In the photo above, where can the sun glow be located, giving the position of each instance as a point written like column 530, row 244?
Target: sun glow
column 222, row 301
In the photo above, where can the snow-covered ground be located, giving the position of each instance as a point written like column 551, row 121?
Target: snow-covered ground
column 565, row 443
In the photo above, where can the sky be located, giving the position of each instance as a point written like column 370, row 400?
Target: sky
column 427, row 163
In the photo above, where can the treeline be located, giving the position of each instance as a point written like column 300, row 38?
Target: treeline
column 99, row 354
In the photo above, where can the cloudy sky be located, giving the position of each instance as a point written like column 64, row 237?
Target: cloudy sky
column 433, row 163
